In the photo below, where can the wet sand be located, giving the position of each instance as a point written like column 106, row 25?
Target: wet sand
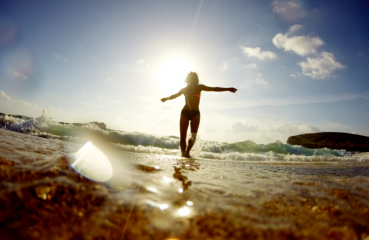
column 42, row 197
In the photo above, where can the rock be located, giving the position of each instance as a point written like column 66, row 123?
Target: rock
column 331, row 140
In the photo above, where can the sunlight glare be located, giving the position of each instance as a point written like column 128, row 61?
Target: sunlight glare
column 90, row 162
column 184, row 211
column 172, row 74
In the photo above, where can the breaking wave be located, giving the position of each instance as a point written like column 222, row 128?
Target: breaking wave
column 46, row 127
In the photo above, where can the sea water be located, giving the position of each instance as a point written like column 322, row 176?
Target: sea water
column 247, row 150
column 233, row 191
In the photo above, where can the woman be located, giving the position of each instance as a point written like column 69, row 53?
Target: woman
column 191, row 112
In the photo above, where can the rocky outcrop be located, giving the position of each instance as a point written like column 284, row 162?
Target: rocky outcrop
column 331, row 140
column 100, row 125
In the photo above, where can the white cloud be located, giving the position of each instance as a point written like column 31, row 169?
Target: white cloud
column 283, row 6
column 108, row 80
column 118, row 118
column 292, row 129
column 146, row 99
column 241, row 127
column 289, row 10
column 142, row 62
column 116, row 102
column 4, row 96
column 256, row 52
column 293, row 75
column 20, row 75
column 97, row 96
column 229, row 64
column 224, row 66
column 294, row 28
column 320, row 67
column 251, row 66
column 287, row 100
column 61, row 58
column 27, row 104
column 301, row 45
column 165, row 107
column 258, row 79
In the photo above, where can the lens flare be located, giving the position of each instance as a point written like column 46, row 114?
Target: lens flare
column 184, row 211
column 90, row 162
column 163, row 206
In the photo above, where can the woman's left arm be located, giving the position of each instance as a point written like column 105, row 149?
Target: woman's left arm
column 173, row 96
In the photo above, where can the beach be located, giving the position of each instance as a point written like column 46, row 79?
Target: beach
column 162, row 196
column 181, row 120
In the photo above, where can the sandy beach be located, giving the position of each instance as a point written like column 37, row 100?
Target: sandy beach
column 42, row 197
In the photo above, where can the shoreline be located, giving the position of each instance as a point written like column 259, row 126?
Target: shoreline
column 44, row 198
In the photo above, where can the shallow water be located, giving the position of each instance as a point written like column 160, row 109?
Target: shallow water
column 157, row 196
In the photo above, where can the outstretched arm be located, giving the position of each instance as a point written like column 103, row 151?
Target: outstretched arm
column 172, row 97
column 217, row 89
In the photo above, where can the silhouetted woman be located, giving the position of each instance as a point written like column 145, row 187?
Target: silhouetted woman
column 191, row 112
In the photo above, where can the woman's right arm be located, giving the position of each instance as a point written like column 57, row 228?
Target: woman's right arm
column 217, row 89
column 173, row 96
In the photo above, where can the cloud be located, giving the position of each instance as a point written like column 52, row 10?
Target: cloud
column 301, row 45
column 250, row 66
column 165, row 107
column 257, row 80
column 4, row 96
column 256, row 52
column 20, row 75
column 291, row 100
column 229, row 64
column 146, row 99
column 241, row 127
column 260, row 80
column 97, row 96
column 116, row 102
column 292, row 129
column 142, row 62
column 27, row 104
column 118, row 118
column 294, row 28
column 293, row 75
column 224, row 66
column 288, row 10
column 320, row 67
column 61, row 58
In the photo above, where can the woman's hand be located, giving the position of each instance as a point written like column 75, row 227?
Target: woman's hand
column 233, row 90
column 163, row 99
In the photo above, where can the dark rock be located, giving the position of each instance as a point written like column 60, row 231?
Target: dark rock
column 100, row 125
column 16, row 116
column 331, row 140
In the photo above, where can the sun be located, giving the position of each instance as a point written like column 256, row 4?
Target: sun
column 172, row 74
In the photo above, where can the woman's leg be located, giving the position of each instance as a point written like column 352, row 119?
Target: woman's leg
column 195, row 122
column 183, row 126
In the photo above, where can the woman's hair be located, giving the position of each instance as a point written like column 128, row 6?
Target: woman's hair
column 192, row 78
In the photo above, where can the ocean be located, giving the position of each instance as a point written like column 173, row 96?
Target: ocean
column 62, row 181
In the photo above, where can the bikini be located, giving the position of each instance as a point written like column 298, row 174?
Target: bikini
column 190, row 114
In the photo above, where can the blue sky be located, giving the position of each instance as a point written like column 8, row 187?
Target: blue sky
column 300, row 66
